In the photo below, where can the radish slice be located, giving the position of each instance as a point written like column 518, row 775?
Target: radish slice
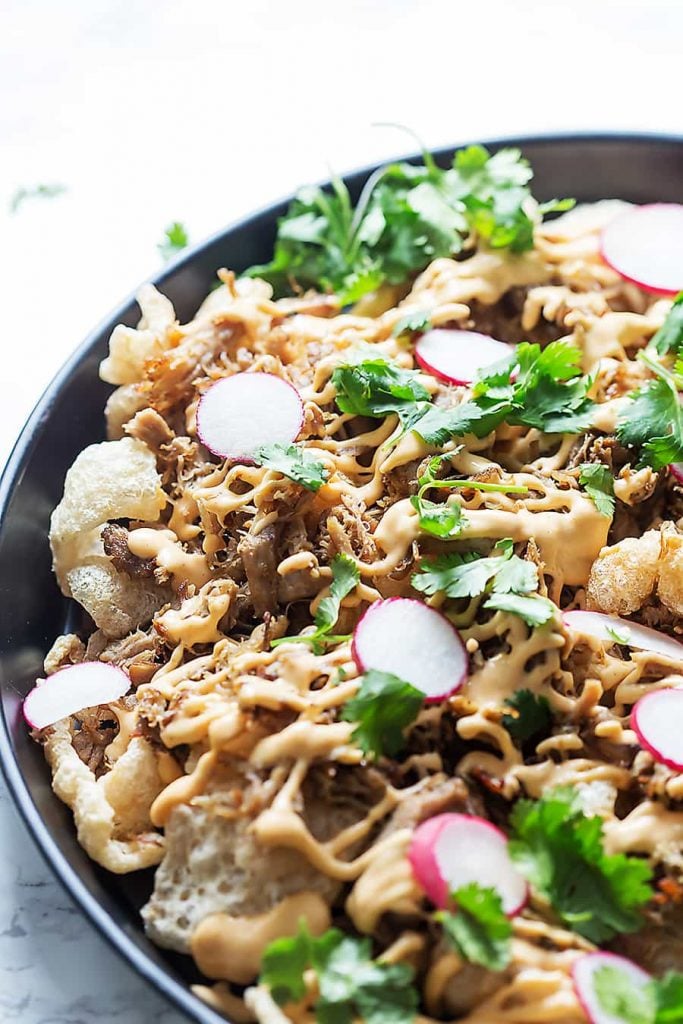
column 71, row 689
column 453, row 850
column 583, row 975
column 657, row 720
column 239, row 414
column 643, row 638
column 457, row 356
column 412, row 641
column 645, row 245
column 676, row 469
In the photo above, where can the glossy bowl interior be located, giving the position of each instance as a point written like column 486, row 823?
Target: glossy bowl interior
column 70, row 415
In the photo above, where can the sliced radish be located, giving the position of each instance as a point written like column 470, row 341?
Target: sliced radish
column 645, row 245
column 676, row 469
column 239, row 414
column 453, row 850
column 412, row 641
column 71, row 689
column 657, row 720
column 598, row 625
column 583, row 975
column 457, row 356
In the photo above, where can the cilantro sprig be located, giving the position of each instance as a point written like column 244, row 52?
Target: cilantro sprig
column 561, row 852
column 529, row 716
column 598, row 483
column 174, row 241
column 477, row 928
column 669, row 337
column 657, row 1001
column 28, row 192
column 294, row 462
column 446, row 520
column 383, row 708
column 407, row 215
column 507, row 581
column 345, row 576
column 653, row 420
column 351, row 985
column 376, row 388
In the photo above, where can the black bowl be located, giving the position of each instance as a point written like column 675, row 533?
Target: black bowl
column 69, row 416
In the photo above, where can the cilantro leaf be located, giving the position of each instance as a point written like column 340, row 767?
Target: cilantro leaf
column 442, row 519
column 530, row 716
column 620, row 996
column 412, row 323
column 345, row 576
column 653, row 422
column 599, row 486
column 351, row 985
column 668, row 993
column 436, row 426
column 548, row 392
column 619, row 636
column 376, row 388
column 407, row 216
column 535, row 610
column 478, row 928
column 469, row 574
column 35, row 192
column 383, row 707
column 175, row 240
column 561, row 852
column 294, row 462
column 669, row 337
column 283, row 964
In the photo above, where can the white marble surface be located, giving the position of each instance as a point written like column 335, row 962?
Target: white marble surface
column 152, row 111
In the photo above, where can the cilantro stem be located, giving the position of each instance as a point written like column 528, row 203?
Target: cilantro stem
column 475, row 485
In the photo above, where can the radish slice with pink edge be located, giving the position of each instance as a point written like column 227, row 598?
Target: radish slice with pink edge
column 676, row 469
column 414, row 642
column 239, row 414
column 457, row 356
column 657, row 720
column 453, row 850
column 583, row 976
column 72, row 689
column 645, row 245
column 598, row 625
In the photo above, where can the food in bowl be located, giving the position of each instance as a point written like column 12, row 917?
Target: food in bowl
column 385, row 581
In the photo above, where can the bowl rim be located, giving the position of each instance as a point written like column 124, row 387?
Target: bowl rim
column 176, row 992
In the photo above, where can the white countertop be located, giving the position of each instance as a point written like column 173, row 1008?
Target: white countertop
column 152, row 112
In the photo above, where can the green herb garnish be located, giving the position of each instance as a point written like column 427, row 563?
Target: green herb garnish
column 345, row 576
column 412, row 323
column 561, row 852
column 653, row 420
column 351, row 985
column 669, row 337
column 376, row 388
column 529, row 716
column 35, row 192
column 175, row 240
column 598, row 482
column 407, row 215
column 478, row 928
column 383, row 707
column 294, row 462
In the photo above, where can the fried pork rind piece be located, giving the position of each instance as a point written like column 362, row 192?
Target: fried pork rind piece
column 111, row 814
column 214, row 864
column 111, row 480
column 130, row 348
column 121, row 407
column 626, row 575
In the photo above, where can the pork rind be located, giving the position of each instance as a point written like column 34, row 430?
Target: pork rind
column 121, row 407
column 116, row 603
column 625, row 575
column 130, row 348
column 111, row 480
column 214, row 864
column 111, row 814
